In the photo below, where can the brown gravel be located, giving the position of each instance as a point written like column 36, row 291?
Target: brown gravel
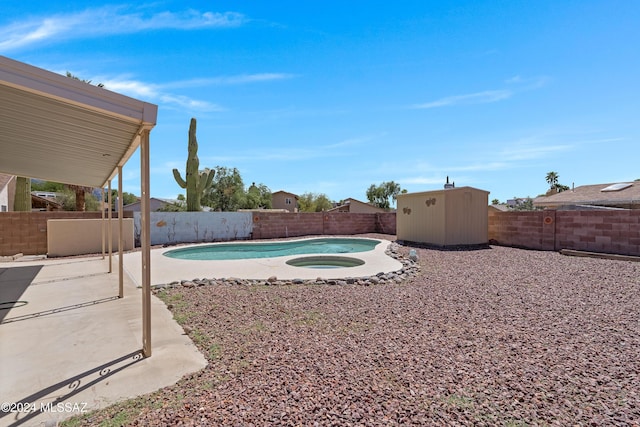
column 499, row 336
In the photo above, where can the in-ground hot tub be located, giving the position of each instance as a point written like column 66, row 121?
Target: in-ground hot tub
column 325, row 262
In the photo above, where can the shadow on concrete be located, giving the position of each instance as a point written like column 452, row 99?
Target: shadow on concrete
column 13, row 282
column 57, row 310
column 55, row 398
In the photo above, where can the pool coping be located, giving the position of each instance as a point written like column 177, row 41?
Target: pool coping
column 167, row 270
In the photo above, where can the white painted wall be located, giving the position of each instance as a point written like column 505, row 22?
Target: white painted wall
column 4, row 199
column 84, row 236
column 192, row 227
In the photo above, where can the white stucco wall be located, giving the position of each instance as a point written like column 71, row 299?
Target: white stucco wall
column 192, row 227
column 84, row 236
column 4, row 198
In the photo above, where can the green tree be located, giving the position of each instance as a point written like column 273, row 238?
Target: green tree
column 127, row 199
column 49, row 186
column 69, row 201
column 495, row 202
column 383, row 195
column 80, row 196
column 257, row 197
column 73, row 197
column 525, row 205
column 227, row 190
column 314, row 202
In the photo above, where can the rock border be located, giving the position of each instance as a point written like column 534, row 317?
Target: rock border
column 410, row 268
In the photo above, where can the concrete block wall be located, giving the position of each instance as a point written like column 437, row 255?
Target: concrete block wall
column 386, row 222
column 270, row 225
column 349, row 223
column 519, row 229
column 599, row 231
column 616, row 232
column 26, row 232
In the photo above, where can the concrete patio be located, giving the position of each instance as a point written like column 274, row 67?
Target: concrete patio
column 75, row 346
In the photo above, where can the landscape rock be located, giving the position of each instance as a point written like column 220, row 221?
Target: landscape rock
column 497, row 337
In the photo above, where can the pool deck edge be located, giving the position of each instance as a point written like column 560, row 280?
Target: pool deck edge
column 167, row 270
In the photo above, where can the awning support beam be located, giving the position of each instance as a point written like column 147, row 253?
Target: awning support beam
column 145, row 231
column 110, row 229
column 120, row 236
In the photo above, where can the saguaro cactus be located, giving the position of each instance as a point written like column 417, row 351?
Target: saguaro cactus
column 196, row 182
column 22, row 200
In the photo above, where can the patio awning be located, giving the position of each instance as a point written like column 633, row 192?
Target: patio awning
column 60, row 129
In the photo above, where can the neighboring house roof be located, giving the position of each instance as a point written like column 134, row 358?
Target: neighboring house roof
column 500, row 207
column 354, row 205
column 155, row 204
column 40, row 202
column 4, row 180
column 286, row 193
column 624, row 195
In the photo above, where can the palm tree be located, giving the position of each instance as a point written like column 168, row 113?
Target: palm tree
column 80, row 191
column 552, row 179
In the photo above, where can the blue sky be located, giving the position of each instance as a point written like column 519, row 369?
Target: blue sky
column 333, row 96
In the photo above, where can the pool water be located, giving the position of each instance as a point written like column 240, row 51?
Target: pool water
column 231, row 251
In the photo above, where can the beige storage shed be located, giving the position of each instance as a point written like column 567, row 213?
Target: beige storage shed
column 450, row 217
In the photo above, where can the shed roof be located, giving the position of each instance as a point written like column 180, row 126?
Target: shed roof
column 64, row 130
column 443, row 190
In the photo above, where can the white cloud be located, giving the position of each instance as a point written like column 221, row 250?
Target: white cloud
column 350, row 142
column 133, row 88
column 516, row 84
column 536, row 149
column 159, row 92
column 190, row 104
column 228, row 80
column 293, row 153
column 527, row 83
column 421, row 180
column 483, row 97
column 108, row 20
column 156, row 93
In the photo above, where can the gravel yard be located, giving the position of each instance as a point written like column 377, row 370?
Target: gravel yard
column 497, row 336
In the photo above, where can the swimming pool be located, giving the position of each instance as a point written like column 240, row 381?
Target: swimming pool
column 234, row 251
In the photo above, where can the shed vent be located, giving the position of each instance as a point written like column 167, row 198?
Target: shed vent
column 447, row 185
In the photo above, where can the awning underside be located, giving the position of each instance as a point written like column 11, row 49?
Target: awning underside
column 46, row 138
